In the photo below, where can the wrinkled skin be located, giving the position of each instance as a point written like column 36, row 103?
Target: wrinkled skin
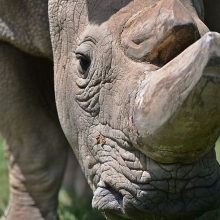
column 136, row 86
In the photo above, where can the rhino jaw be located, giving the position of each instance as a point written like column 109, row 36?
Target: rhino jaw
column 177, row 108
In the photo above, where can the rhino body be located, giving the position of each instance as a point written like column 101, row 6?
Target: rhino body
column 137, row 87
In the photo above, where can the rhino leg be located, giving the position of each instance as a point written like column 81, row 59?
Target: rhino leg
column 36, row 148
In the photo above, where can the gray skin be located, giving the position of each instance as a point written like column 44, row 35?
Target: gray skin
column 136, row 102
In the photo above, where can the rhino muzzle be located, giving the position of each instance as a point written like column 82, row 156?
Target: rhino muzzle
column 176, row 111
column 176, row 119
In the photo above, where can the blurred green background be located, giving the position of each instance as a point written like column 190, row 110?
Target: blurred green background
column 70, row 206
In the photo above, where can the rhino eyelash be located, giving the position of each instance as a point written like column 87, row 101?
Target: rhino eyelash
column 84, row 51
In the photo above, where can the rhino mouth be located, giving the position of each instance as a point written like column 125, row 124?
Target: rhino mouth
column 141, row 188
column 188, row 197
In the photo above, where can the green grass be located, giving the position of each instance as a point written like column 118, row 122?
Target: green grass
column 4, row 188
column 217, row 149
column 71, row 207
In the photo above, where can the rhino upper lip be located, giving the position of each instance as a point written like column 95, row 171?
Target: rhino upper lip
column 111, row 199
column 114, row 200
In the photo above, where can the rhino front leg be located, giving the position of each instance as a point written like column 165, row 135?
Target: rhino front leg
column 35, row 146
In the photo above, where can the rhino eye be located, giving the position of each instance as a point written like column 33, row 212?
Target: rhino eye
column 83, row 63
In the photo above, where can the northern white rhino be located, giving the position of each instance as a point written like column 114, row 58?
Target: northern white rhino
column 137, row 86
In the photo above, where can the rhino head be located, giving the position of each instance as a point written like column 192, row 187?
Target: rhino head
column 137, row 86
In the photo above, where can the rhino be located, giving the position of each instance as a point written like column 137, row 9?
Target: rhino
column 131, row 85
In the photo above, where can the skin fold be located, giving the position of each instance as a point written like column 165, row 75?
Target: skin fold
column 135, row 84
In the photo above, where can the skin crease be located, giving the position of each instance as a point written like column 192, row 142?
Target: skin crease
column 96, row 109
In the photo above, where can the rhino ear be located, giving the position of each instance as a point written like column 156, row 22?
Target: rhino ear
column 212, row 14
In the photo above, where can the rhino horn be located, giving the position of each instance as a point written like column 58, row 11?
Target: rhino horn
column 177, row 107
